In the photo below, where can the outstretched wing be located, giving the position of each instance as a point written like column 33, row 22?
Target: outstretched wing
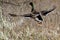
column 24, row 15
column 13, row 15
column 46, row 12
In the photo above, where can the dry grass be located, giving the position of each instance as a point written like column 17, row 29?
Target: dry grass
column 19, row 28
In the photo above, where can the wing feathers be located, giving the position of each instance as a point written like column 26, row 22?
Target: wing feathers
column 46, row 12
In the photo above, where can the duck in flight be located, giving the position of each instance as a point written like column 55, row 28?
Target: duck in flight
column 34, row 14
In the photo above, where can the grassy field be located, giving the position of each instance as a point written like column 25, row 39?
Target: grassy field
column 20, row 28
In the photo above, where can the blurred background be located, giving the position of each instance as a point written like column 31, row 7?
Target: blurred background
column 21, row 28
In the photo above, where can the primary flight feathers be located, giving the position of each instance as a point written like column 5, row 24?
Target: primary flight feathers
column 45, row 12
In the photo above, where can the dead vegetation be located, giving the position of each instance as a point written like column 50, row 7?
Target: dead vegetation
column 20, row 28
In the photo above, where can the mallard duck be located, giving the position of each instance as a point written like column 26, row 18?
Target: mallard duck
column 34, row 14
